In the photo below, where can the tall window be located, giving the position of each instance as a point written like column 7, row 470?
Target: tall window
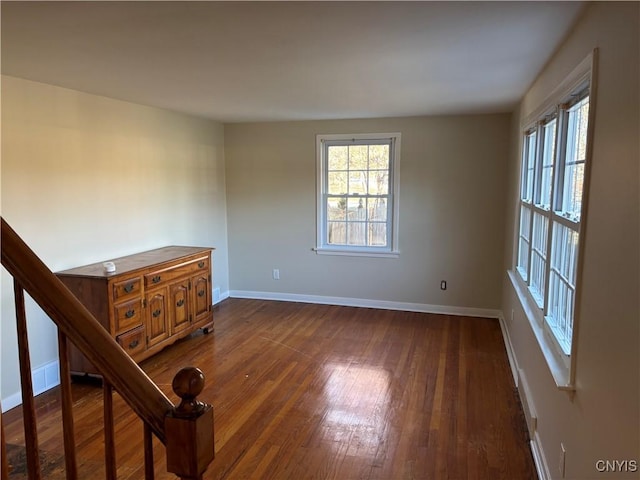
column 551, row 201
column 357, row 194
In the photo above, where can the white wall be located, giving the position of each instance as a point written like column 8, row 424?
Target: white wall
column 452, row 173
column 87, row 178
column 601, row 421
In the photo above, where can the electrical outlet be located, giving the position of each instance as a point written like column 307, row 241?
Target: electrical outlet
column 561, row 463
column 443, row 285
column 276, row 274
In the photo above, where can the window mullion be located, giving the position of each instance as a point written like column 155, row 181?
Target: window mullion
column 324, row 226
column 391, row 191
column 566, row 222
column 561, row 155
column 533, row 189
column 366, row 198
column 555, row 168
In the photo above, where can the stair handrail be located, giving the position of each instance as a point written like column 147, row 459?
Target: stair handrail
column 84, row 331
column 185, row 429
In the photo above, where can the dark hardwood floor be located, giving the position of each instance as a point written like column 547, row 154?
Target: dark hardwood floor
column 325, row 392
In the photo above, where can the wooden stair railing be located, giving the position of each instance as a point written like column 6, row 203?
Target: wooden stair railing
column 186, row 429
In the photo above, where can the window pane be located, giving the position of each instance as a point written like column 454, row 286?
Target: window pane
column 572, row 198
column 578, row 117
column 337, row 157
column 337, row 208
column 379, row 157
column 564, row 253
column 337, row 183
column 560, row 315
column 537, row 278
column 528, row 166
column 525, row 222
column 336, row 233
column 377, row 208
column 523, row 242
column 358, row 156
column 523, row 259
column 538, row 257
column 540, row 232
column 548, row 153
column 562, row 281
column 356, row 232
column 377, row 234
column 357, row 182
column 356, row 210
column 378, row 182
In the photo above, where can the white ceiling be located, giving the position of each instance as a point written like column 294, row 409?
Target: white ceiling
column 257, row 61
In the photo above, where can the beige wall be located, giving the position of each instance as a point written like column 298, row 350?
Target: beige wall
column 452, row 177
column 86, row 178
column 602, row 420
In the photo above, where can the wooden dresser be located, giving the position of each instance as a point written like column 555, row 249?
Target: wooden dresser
column 151, row 300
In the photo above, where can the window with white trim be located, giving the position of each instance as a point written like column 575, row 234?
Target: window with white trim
column 554, row 157
column 358, row 194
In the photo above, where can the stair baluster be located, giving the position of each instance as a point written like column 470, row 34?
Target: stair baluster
column 67, row 409
column 186, row 430
column 28, row 405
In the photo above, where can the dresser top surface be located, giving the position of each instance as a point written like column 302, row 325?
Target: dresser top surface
column 137, row 261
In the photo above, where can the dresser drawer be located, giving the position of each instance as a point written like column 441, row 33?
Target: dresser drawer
column 132, row 341
column 171, row 273
column 127, row 315
column 127, row 288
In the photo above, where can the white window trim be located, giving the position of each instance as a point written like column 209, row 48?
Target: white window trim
column 358, row 251
column 561, row 366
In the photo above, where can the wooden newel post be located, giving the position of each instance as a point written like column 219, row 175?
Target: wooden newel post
column 189, row 428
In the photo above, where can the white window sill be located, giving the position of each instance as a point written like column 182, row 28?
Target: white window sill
column 559, row 364
column 357, row 253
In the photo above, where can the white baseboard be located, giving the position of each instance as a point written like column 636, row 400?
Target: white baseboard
column 368, row 303
column 539, row 459
column 219, row 296
column 42, row 378
column 536, row 448
column 11, row 401
column 513, row 361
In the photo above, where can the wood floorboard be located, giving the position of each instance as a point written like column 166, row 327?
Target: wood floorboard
column 303, row 391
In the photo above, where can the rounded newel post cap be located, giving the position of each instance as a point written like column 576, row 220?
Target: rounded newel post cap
column 188, row 384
